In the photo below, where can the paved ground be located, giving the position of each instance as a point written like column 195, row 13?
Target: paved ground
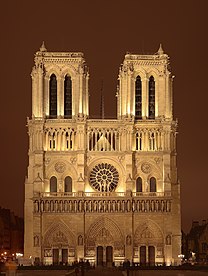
column 109, row 272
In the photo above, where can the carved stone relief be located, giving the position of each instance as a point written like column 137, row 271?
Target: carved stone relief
column 60, row 167
column 146, row 167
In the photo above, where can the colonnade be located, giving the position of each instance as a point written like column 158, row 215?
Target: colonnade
column 102, row 206
column 105, row 139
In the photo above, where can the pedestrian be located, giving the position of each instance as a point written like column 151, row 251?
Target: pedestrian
column 76, row 271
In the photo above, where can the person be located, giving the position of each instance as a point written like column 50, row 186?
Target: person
column 82, row 266
column 76, row 270
column 87, row 265
column 127, row 267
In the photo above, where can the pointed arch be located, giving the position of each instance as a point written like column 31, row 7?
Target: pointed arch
column 68, row 184
column 53, row 184
column 153, row 184
column 148, row 232
column 53, row 96
column 138, row 98
column 138, row 185
column 68, row 97
column 58, row 233
column 104, row 229
column 151, row 108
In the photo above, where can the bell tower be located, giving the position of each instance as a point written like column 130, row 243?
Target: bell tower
column 59, row 85
column 56, row 128
column 145, row 87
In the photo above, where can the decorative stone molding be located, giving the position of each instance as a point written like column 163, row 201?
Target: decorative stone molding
column 60, row 167
column 146, row 167
column 73, row 160
column 121, row 158
column 157, row 160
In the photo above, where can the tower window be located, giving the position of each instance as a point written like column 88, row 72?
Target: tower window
column 138, row 98
column 53, row 96
column 138, row 185
column 68, row 97
column 151, row 98
column 153, row 187
column 68, row 184
column 53, row 184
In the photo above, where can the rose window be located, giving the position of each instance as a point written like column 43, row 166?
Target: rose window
column 104, row 177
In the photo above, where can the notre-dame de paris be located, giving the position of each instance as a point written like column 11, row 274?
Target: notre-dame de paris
column 103, row 190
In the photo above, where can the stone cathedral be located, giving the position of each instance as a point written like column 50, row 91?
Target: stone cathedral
column 102, row 190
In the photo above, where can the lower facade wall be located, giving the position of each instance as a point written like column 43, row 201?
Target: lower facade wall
column 105, row 239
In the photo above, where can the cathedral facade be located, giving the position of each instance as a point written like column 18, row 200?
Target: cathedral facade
column 103, row 190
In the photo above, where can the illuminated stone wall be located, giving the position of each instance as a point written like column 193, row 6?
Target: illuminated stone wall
column 105, row 214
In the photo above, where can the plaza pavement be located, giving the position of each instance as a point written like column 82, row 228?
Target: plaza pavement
column 112, row 272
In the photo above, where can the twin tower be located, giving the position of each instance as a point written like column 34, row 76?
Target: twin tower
column 98, row 189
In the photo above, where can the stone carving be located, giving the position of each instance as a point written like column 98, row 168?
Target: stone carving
column 47, row 161
column 59, row 237
column 157, row 160
column 36, row 241
column 146, row 167
column 60, row 167
column 47, row 253
column 121, row 158
column 104, row 237
column 73, row 160
column 90, row 252
column 128, row 240
column 146, row 233
column 168, row 240
column 80, row 240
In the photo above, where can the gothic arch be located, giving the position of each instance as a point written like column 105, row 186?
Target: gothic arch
column 58, row 234
column 55, row 69
column 140, row 73
column 153, row 72
column 104, row 231
column 52, row 71
column 69, row 70
column 69, row 170
column 148, row 232
column 155, row 170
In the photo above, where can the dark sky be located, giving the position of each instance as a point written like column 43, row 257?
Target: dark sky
column 104, row 30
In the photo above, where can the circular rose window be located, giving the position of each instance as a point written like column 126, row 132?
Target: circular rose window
column 104, row 177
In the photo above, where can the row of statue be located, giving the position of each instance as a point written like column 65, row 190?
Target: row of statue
column 102, row 206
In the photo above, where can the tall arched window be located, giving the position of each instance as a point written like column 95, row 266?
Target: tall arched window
column 153, row 187
column 53, row 96
column 138, row 98
column 67, row 97
column 151, row 98
column 139, row 185
column 68, row 184
column 53, row 184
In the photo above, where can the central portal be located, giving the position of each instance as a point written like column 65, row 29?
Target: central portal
column 104, row 255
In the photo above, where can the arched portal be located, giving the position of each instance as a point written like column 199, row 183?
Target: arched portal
column 104, row 241
column 58, row 244
column 149, row 239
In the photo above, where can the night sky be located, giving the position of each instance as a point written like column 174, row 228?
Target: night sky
column 104, row 30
